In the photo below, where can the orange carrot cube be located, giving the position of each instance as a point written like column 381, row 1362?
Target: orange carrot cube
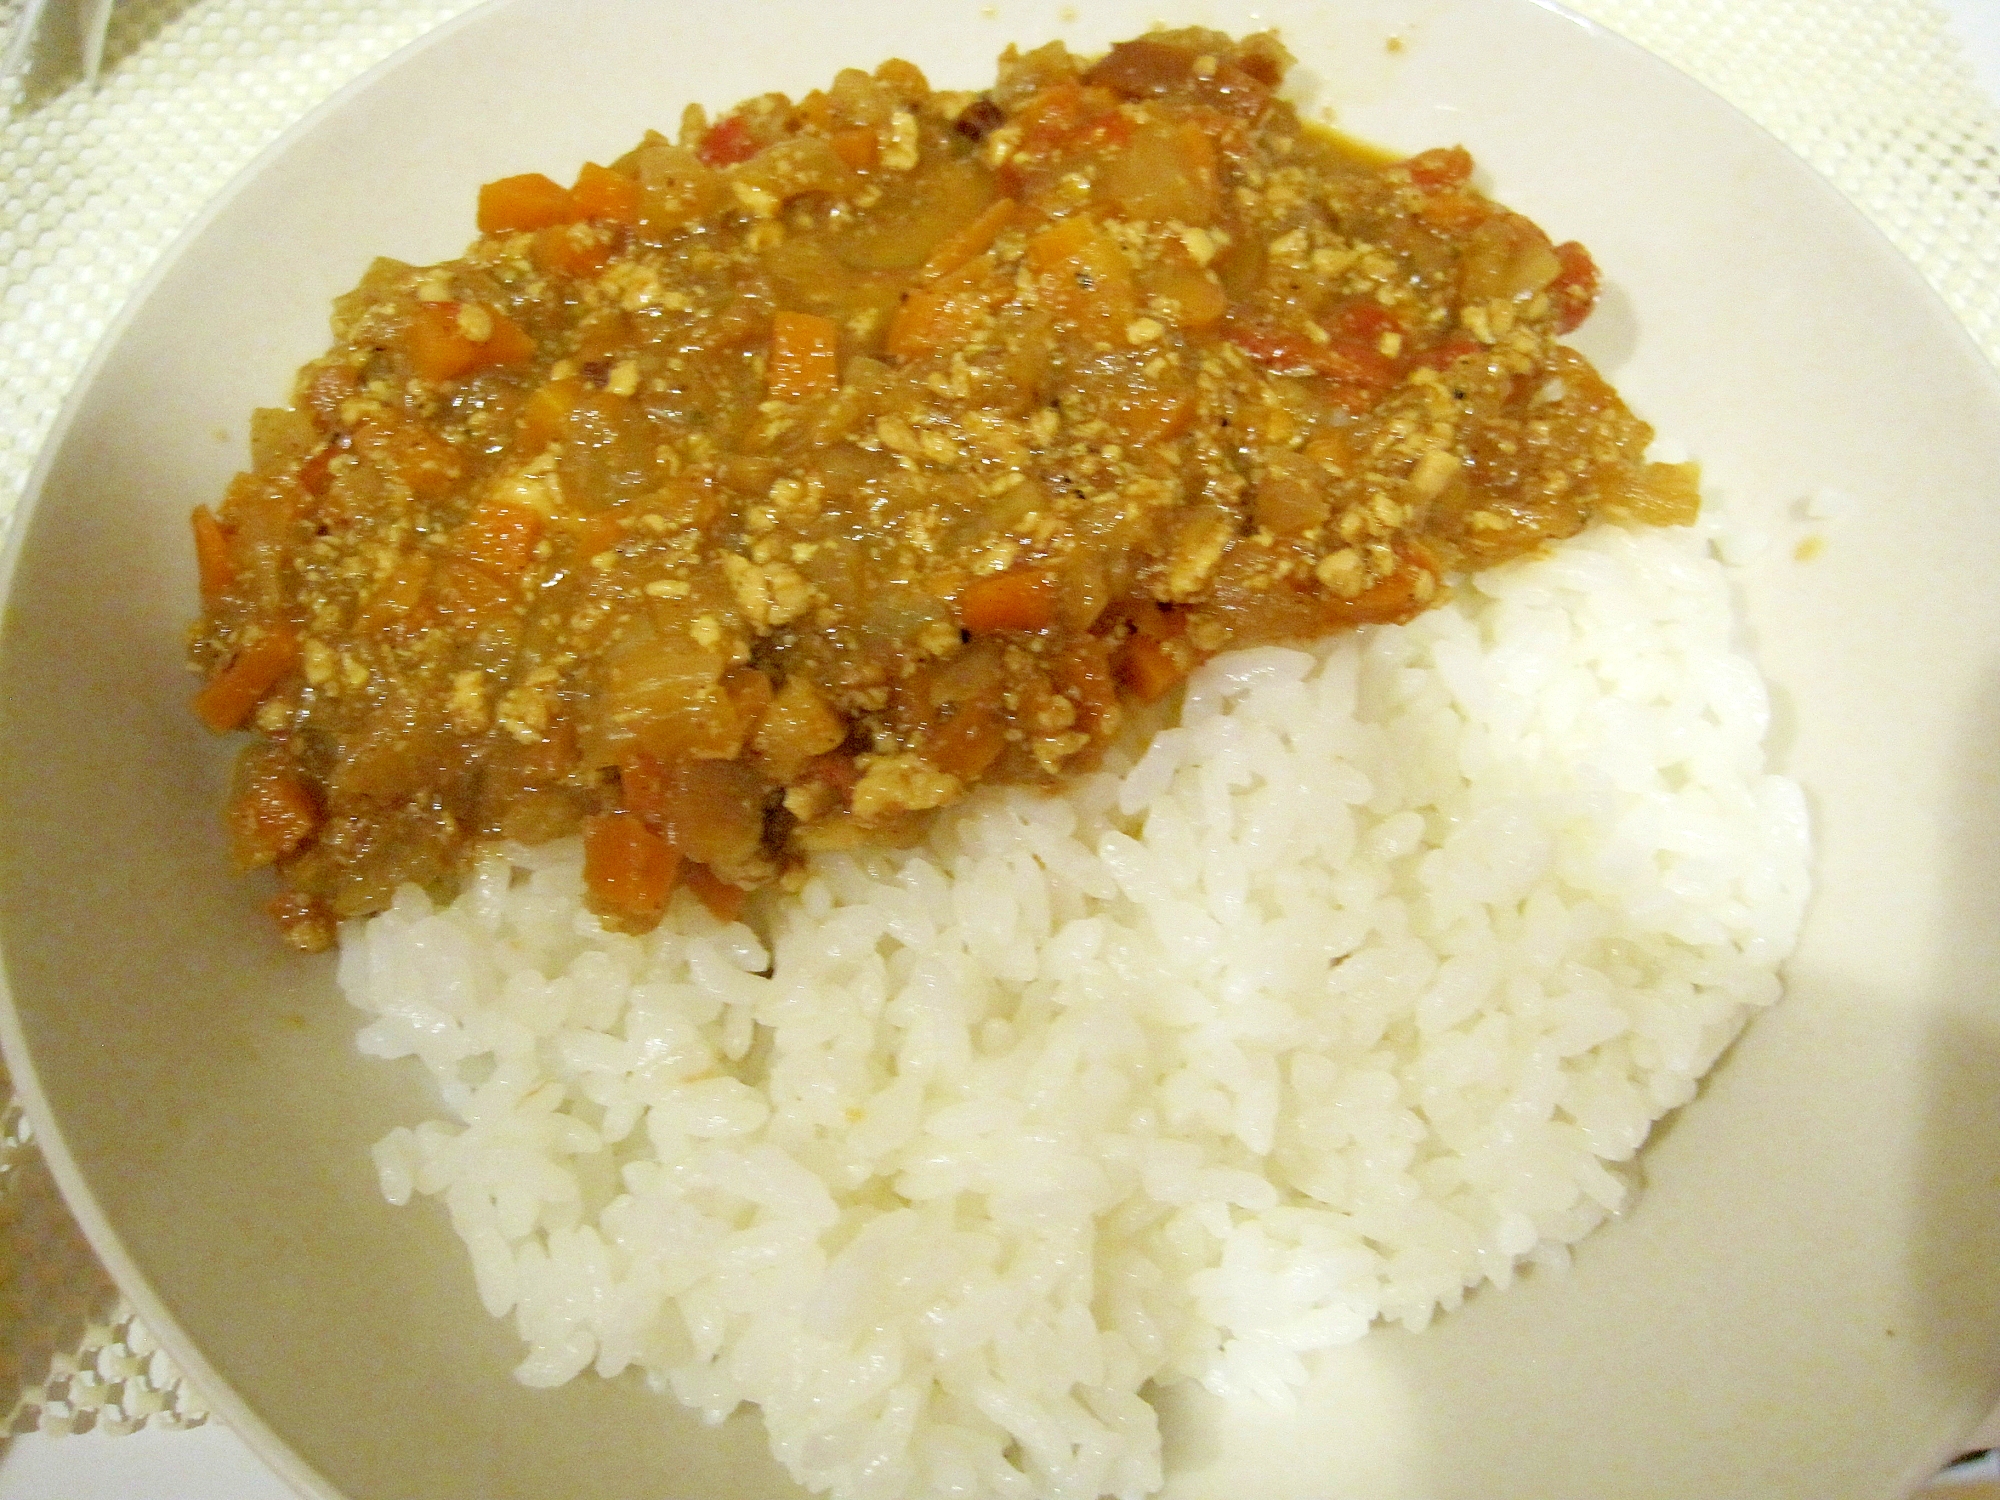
column 529, row 201
column 628, row 870
column 233, row 692
column 1007, row 601
column 601, row 193
column 805, row 356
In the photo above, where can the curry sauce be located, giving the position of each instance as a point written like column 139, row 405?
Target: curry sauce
column 764, row 491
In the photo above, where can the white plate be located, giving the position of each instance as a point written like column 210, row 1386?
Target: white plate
column 1805, row 1303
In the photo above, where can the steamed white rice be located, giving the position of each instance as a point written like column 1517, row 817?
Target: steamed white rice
column 1351, row 993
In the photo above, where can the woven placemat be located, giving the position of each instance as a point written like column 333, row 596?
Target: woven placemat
column 97, row 180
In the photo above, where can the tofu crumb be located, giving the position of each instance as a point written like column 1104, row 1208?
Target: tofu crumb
column 899, row 152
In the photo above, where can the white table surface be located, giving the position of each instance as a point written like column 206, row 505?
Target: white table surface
column 211, row 1463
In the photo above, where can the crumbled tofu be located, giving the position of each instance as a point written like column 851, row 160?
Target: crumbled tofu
column 899, row 152
column 468, row 702
column 902, row 783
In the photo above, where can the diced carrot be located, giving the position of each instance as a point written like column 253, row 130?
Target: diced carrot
column 970, row 240
column 545, row 415
column 642, row 786
column 273, row 813
column 508, row 344
column 574, row 250
column 437, row 350
column 529, row 201
column 628, row 869
column 860, row 149
column 409, row 452
column 1085, row 279
column 1148, row 669
column 943, row 316
column 440, row 347
column 723, row 900
column 595, row 534
column 1018, row 600
column 919, row 326
column 1361, row 373
column 816, row 110
column 1455, row 212
column 500, row 536
column 727, row 143
column 395, row 601
column 213, row 564
column 601, row 193
column 471, row 595
column 967, row 743
column 805, row 356
column 233, row 692
column 316, row 473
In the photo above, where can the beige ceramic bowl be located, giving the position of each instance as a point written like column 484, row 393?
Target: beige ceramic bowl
column 1806, row 1302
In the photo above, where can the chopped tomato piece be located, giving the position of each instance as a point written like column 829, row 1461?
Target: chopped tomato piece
column 1361, row 372
column 1440, row 167
column 727, row 143
column 1574, row 291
